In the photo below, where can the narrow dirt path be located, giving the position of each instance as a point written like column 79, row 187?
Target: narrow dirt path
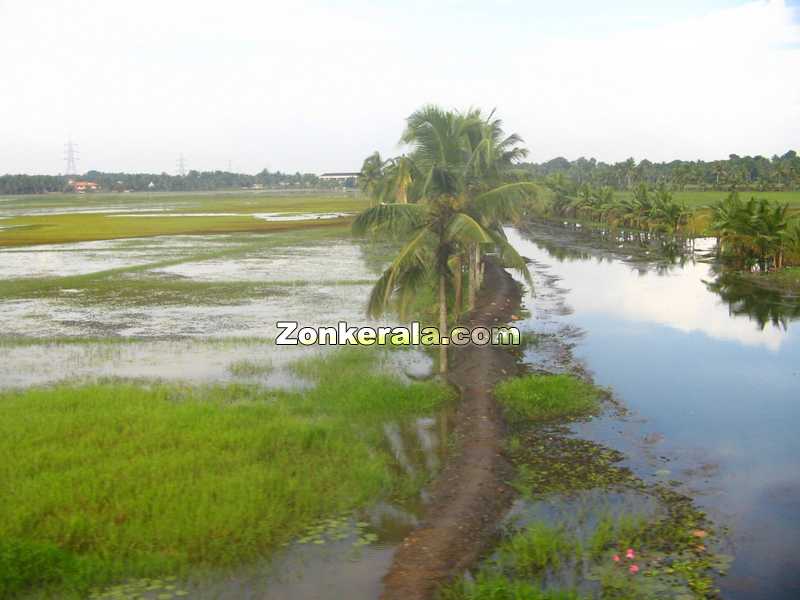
column 471, row 494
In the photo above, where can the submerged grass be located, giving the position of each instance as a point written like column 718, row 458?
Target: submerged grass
column 133, row 284
column 497, row 587
column 673, row 546
column 548, row 397
column 250, row 368
column 623, row 557
column 115, row 480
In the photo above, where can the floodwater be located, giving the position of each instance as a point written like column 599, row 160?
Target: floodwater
column 340, row 563
column 712, row 382
column 73, row 331
column 320, row 282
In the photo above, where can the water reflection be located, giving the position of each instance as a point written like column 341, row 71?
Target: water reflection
column 710, row 374
column 669, row 293
column 765, row 307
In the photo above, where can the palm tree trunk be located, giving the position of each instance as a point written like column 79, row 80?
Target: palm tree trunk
column 457, row 283
column 473, row 276
column 478, row 269
column 442, row 322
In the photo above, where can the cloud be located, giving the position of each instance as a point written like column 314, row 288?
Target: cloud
column 315, row 87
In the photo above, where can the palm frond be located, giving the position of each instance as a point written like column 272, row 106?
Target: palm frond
column 395, row 219
column 464, row 229
column 504, row 202
column 511, row 258
column 409, row 258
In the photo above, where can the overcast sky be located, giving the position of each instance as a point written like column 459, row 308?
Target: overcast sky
column 316, row 86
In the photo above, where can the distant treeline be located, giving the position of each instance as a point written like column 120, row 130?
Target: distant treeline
column 193, row 181
column 737, row 172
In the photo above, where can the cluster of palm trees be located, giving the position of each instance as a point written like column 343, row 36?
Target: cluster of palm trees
column 755, row 233
column 647, row 210
column 736, row 172
column 448, row 199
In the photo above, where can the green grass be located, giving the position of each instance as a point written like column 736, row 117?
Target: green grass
column 548, row 397
column 537, row 548
column 616, row 533
column 237, row 201
column 540, row 560
column 66, row 228
column 497, row 587
column 114, row 480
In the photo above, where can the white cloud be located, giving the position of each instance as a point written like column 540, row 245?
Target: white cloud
column 306, row 86
column 678, row 300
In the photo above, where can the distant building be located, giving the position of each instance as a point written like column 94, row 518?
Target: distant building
column 83, row 186
column 340, row 176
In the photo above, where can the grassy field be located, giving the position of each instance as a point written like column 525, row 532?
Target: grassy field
column 164, row 471
column 238, row 201
column 113, row 480
column 179, row 215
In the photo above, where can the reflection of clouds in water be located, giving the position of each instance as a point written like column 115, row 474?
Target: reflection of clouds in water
column 334, row 260
column 308, row 305
column 679, row 300
column 60, row 260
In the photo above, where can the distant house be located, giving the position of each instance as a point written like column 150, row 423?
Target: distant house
column 340, row 176
column 83, row 186
column 345, row 179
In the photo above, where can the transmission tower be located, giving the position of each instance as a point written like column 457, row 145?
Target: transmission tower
column 181, row 166
column 71, row 157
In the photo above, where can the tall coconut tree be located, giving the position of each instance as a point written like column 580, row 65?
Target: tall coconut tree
column 456, row 213
column 438, row 230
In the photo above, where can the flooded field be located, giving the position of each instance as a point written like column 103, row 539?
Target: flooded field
column 196, row 312
column 709, row 384
column 704, row 374
column 116, row 308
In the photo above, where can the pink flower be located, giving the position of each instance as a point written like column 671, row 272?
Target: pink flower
column 615, row 558
column 629, row 553
column 633, row 569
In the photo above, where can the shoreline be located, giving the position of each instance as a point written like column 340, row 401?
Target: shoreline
column 471, row 494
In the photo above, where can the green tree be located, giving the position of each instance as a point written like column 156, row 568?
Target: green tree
column 457, row 160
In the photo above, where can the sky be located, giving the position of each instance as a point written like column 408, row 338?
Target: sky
column 317, row 85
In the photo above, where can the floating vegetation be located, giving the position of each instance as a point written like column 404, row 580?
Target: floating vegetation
column 669, row 551
column 164, row 588
column 337, row 529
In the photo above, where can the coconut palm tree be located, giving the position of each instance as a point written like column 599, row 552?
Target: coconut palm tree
column 372, row 177
column 459, row 208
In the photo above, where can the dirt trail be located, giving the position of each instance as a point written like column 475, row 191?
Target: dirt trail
column 471, row 494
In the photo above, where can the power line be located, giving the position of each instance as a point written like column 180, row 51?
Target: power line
column 181, row 166
column 71, row 157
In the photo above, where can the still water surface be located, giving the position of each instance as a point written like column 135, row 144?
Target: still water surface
column 714, row 392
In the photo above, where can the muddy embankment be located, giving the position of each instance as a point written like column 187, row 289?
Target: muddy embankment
column 471, row 493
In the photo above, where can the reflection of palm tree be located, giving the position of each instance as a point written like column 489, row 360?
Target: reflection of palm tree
column 745, row 298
